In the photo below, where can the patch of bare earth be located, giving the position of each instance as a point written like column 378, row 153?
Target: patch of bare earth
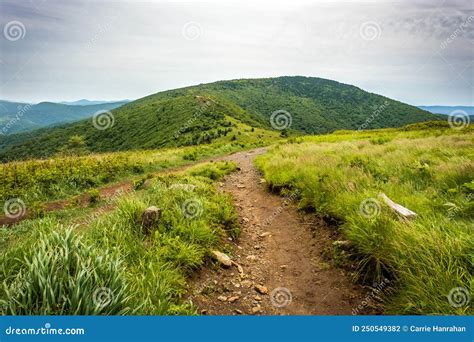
column 280, row 254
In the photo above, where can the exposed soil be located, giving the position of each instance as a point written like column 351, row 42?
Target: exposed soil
column 279, row 249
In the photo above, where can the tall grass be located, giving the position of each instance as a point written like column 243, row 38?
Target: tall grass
column 431, row 175
column 114, row 267
column 55, row 178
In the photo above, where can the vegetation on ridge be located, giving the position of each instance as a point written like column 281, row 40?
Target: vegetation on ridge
column 221, row 111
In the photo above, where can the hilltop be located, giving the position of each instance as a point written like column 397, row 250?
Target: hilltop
column 221, row 111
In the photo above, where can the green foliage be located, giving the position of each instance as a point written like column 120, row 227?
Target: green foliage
column 94, row 196
column 112, row 265
column 61, row 275
column 59, row 177
column 213, row 171
column 76, row 146
column 45, row 114
column 429, row 170
column 207, row 113
column 138, row 183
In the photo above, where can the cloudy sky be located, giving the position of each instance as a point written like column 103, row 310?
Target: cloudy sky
column 419, row 52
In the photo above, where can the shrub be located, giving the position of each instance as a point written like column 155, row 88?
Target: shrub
column 64, row 276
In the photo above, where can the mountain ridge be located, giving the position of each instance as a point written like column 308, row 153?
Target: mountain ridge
column 223, row 110
column 16, row 117
column 446, row 110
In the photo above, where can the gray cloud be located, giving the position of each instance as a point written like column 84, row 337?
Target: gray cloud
column 129, row 49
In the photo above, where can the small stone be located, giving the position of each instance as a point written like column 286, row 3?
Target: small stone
column 257, row 298
column 246, row 219
column 150, row 218
column 238, row 311
column 239, row 268
column 222, row 298
column 257, row 247
column 246, row 283
column 233, row 299
column 222, row 258
column 265, row 234
column 261, row 289
column 256, row 309
column 204, row 312
column 251, row 257
column 283, row 267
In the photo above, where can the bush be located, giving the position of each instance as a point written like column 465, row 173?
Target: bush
column 94, row 196
column 64, row 276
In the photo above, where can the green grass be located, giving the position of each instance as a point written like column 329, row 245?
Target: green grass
column 112, row 266
column 36, row 181
column 428, row 170
column 222, row 111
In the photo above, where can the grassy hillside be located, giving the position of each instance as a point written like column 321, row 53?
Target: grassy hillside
column 430, row 171
column 318, row 105
column 219, row 111
column 38, row 181
column 114, row 266
column 18, row 117
column 179, row 121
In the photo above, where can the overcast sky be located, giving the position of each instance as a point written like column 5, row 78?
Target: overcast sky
column 419, row 52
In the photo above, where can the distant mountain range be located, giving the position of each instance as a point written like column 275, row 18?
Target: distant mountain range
column 18, row 117
column 223, row 110
column 85, row 102
column 448, row 109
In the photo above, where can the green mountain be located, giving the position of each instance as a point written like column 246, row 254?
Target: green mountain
column 223, row 110
column 19, row 117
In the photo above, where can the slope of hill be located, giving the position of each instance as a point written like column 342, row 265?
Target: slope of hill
column 209, row 112
column 18, row 117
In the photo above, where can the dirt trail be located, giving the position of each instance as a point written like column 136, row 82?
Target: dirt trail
column 278, row 248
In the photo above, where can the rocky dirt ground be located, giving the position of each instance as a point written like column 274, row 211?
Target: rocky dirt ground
column 281, row 270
